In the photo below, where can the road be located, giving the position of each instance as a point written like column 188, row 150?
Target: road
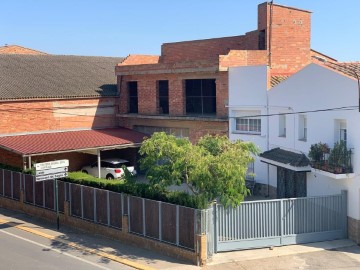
column 23, row 250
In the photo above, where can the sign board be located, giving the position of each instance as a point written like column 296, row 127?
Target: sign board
column 52, row 164
column 51, row 176
column 51, row 171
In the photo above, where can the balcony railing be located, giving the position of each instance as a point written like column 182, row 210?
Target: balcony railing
column 336, row 160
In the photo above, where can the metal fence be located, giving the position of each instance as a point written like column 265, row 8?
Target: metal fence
column 161, row 221
column 280, row 222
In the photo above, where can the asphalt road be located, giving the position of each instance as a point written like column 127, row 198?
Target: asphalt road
column 22, row 250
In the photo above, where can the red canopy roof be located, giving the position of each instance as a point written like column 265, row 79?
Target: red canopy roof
column 70, row 141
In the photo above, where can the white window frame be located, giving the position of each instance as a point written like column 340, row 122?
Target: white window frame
column 250, row 122
column 282, row 125
column 302, row 128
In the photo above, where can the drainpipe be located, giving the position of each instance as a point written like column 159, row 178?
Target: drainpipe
column 99, row 163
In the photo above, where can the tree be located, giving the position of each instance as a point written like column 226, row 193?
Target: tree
column 214, row 167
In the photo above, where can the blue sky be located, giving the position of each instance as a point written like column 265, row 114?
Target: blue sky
column 122, row 27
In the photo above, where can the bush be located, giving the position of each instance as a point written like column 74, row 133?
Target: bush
column 138, row 189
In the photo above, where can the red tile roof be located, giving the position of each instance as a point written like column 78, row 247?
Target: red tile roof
column 70, row 141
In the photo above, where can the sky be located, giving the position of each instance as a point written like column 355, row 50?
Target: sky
column 123, row 27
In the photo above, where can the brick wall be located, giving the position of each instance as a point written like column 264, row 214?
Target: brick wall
column 10, row 158
column 197, row 128
column 200, row 49
column 147, row 92
column 35, row 116
column 76, row 159
column 121, row 235
column 289, row 36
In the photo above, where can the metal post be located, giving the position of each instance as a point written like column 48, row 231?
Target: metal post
column 94, row 198
column 3, row 183
column 143, row 216
column 281, row 220
column 99, row 163
column 160, row 223
column 12, row 185
column 57, row 204
column 108, row 207
column 82, row 202
column 177, row 225
column 344, row 199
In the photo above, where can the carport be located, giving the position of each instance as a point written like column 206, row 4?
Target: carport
column 91, row 142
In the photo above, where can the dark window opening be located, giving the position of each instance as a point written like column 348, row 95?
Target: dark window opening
column 163, row 97
column 133, row 97
column 262, row 40
column 200, row 96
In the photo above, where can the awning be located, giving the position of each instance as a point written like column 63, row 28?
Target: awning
column 286, row 159
column 71, row 141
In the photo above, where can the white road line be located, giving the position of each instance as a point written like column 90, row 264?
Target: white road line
column 54, row 249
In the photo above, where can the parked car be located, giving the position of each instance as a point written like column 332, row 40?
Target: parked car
column 111, row 168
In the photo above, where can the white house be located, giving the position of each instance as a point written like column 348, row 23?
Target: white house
column 317, row 104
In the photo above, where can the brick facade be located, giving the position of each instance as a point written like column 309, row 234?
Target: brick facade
column 49, row 115
column 281, row 41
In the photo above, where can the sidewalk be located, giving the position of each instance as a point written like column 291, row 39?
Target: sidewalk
column 263, row 253
column 138, row 258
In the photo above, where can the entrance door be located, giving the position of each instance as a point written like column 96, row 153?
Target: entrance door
column 290, row 184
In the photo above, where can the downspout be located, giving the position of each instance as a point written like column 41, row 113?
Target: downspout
column 267, row 96
column 270, row 33
column 267, row 137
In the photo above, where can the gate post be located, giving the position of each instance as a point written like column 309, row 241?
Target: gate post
column 281, row 223
column 344, row 212
column 215, row 231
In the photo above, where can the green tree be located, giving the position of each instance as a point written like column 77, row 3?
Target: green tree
column 214, row 167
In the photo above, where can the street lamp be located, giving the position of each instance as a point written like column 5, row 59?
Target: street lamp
column 343, row 67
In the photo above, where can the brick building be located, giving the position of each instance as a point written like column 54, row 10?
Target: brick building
column 42, row 94
column 185, row 90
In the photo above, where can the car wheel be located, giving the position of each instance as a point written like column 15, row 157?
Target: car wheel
column 85, row 171
column 110, row 177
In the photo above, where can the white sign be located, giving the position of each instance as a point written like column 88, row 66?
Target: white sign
column 51, row 171
column 52, row 164
column 51, row 176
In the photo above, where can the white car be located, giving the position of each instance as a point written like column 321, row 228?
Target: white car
column 111, row 168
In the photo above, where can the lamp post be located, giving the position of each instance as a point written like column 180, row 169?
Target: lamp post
column 343, row 67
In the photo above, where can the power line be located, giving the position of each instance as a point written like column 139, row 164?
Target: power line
column 347, row 108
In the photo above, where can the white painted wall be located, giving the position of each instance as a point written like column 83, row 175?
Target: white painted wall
column 312, row 88
column 246, row 95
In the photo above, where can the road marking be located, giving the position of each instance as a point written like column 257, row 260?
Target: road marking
column 79, row 247
column 54, row 249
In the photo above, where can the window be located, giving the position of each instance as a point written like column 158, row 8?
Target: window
column 248, row 125
column 343, row 132
column 262, row 40
column 282, row 125
column 302, row 128
column 200, row 96
column 163, row 97
column 133, row 97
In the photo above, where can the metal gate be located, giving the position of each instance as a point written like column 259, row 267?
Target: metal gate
column 280, row 222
